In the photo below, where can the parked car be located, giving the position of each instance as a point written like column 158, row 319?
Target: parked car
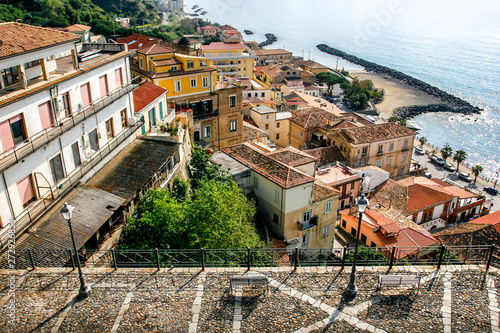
column 491, row 190
column 449, row 167
column 464, row 176
column 440, row 161
column 433, row 158
column 428, row 175
column 419, row 151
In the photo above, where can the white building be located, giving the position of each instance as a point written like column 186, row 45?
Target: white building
column 65, row 110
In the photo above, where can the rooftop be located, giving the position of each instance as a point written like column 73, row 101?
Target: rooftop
column 216, row 46
column 308, row 299
column 155, row 49
column 377, row 132
column 337, row 175
column 322, row 192
column 313, row 118
column 18, row 38
column 251, row 132
column 271, row 52
column 292, row 156
column 146, row 94
column 326, row 155
column 78, row 27
column 138, row 41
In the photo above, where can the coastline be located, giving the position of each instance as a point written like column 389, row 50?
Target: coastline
column 447, row 102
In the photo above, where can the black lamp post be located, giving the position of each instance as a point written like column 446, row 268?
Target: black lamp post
column 67, row 213
column 351, row 290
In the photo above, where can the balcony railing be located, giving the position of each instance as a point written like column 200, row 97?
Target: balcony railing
column 205, row 116
column 39, row 140
column 380, row 153
column 36, row 209
column 268, row 257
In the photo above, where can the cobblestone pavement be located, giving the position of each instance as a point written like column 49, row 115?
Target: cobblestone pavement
column 453, row 299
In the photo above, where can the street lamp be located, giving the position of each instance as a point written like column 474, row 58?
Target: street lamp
column 67, row 213
column 351, row 290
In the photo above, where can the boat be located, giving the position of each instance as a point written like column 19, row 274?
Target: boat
column 195, row 6
column 203, row 12
column 248, row 32
column 196, row 11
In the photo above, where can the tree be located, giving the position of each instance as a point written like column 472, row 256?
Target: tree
column 203, row 169
column 330, row 79
column 476, row 170
column 180, row 189
column 446, row 151
column 459, row 157
column 423, row 141
column 183, row 41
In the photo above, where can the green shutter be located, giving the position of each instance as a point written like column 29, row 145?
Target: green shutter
column 161, row 110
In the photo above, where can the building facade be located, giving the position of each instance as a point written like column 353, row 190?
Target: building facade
column 230, row 59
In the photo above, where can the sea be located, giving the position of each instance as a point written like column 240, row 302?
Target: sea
column 451, row 44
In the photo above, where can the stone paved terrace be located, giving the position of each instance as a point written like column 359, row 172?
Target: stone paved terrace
column 452, row 299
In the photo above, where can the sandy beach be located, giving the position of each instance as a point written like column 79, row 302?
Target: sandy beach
column 396, row 94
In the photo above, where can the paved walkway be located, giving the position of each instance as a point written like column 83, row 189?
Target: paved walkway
column 453, row 299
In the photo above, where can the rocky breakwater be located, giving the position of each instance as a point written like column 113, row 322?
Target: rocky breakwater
column 270, row 38
column 450, row 103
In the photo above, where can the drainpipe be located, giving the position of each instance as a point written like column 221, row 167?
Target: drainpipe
column 9, row 201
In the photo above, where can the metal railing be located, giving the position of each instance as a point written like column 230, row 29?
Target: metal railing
column 266, row 257
column 36, row 209
column 40, row 139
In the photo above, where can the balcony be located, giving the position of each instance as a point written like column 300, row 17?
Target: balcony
column 380, row 153
column 226, row 65
column 405, row 148
column 39, row 140
column 204, row 116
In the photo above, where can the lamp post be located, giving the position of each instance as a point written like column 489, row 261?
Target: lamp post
column 67, row 213
column 351, row 290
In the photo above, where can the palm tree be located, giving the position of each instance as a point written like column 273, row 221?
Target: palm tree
column 446, row 151
column 476, row 170
column 459, row 157
column 423, row 141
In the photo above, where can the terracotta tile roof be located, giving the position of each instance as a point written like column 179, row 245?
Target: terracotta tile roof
column 77, row 27
column 167, row 62
column 270, row 70
column 411, row 239
column 227, row 27
column 155, row 49
column 270, row 52
column 251, row 132
column 311, row 64
column 291, row 156
column 273, row 170
column 326, row 155
column 145, row 94
column 216, row 46
column 377, row 132
column 208, row 27
column 153, row 75
column 312, row 118
column 469, row 234
column 139, row 41
column 438, row 185
column 321, row 191
column 18, row 38
column 493, row 219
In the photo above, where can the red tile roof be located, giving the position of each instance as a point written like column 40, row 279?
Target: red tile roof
column 18, row 38
column 409, row 241
column 155, row 49
column 216, row 46
column 146, row 94
column 77, row 27
column 321, row 191
column 270, row 52
column 376, row 132
column 140, row 41
column 166, row 62
column 227, row 27
column 271, row 169
column 208, row 27
column 291, row 156
column 326, row 155
column 493, row 219
column 251, row 132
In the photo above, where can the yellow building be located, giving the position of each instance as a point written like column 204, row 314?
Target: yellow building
column 313, row 67
column 180, row 74
column 230, row 59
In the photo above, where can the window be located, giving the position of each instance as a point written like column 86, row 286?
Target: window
column 301, row 134
column 391, row 147
column 32, row 63
column 373, row 244
column 305, row 239
column 174, row 68
column 86, row 96
column 232, row 126
column 353, row 231
column 203, row 64
column 306, row 217
column 277, row 136
column 194, row 82
column 363, row 238
column 276, row 196
column 45, row 112
column 267, row 116
column 205, row 82
column 276, row 218
column 344, row 224
column 76, row 154
column 232, row 101
column 178, row 86
column 380, row 148
column 263, row 95
column 190, row 64
column 379, row 163
column 26, row 190
column 103, row 85
column 326, row 230
column 118, row 77
column 405, row 145
column 278, row 124
column 229, row 54
column 123, row 117
column 207, row 131
column 389, row 161
column 403, row 158
column 64, row 104
column 328, row 207
column 365, row 150
column 266, row 126
column 140, row 63
column 12, row 132
column 56, row 168
column 110, row 131
column 256, row 182
column 10, row 76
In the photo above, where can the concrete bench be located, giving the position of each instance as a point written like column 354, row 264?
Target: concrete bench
column 398, row 280
column 244, row 281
